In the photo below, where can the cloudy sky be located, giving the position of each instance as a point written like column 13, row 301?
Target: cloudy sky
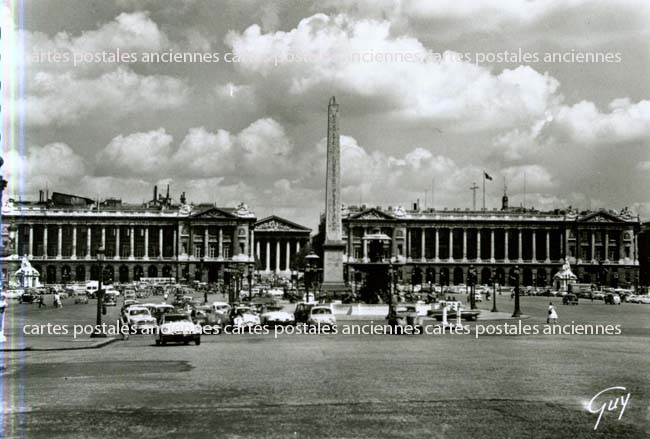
column 428, row 98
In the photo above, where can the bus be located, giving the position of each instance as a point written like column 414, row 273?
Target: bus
column 158, row 280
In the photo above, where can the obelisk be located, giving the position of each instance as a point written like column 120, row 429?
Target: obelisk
column 333, row 246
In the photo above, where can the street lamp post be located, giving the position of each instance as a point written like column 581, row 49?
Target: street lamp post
column 494, row 294
column 517, row 311
column 98, row 333
column 391, row 299
column 472, row 286
column 239, row 283
column 251, row 266
column 311, row 259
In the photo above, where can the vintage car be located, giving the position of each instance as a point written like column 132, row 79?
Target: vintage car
column 178, row 328
column 206, row 317
column 406, row 315
column 598, row 295
column 28, row 297
column 570, row 299
column 130, row 302
column 182, row 301
column 294, row 295
column 109, row 301
column 302, row 312
column 221, row 307
column 161, row 309
column 644, row 299
column 242, row 315
column 13, row 294
column 138, row 319
column 273, row 315
column 321, row 316
column 81, row 300
column 275, row 292
column 612, row 299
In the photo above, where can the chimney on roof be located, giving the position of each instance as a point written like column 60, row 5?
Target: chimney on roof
column 40, row 195
column 155, row 193
column 167, row 196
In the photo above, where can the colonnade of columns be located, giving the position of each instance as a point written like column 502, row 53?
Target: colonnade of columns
column 122, row 247
column 561, row 245
column 270, row 253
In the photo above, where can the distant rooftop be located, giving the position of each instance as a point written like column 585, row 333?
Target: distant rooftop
column 400, row 212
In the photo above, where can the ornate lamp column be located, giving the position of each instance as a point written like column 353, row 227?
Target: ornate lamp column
column 98, row 333
column 515, row 278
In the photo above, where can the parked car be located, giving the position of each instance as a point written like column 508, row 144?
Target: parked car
column 80, row 300
column 570, row 299
column 28, row 297
column 221, row 307
column 321, row 316
column 407, row 315
column 139, row 319
column 206, row 316
column 273, row 315
column 598, row 295
column 76, row 290
column 612, row 299
column 13, row 294
column 644, row 299
column 91, row 288
column 243, row 316
column 275, row 292
column 161, row 310
column 302, row 311
column 178, row 328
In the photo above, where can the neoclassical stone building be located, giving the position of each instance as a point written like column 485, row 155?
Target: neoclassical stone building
column 277, row 242
column 61, row 235
column 440, row 246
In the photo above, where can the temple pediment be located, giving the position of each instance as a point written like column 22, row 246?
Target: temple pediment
column 372, row 214
column 213, row 213
column 277, row 224
column 600, row 217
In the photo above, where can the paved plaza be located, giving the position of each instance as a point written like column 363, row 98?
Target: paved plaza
column 452, row 386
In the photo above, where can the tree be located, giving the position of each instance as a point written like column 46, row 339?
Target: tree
column 298, row 261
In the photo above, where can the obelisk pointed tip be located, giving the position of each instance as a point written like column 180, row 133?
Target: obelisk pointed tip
column 332, row 101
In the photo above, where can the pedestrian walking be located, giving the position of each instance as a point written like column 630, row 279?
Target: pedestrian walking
column 205, row 296
column 41, row 301
column 552, row 314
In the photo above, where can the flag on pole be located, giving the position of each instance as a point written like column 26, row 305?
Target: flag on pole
column 487, row 176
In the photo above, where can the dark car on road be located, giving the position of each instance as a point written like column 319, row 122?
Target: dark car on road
column 206, row 316
column 302, row 312
column 570, row 299
column 28, row 297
